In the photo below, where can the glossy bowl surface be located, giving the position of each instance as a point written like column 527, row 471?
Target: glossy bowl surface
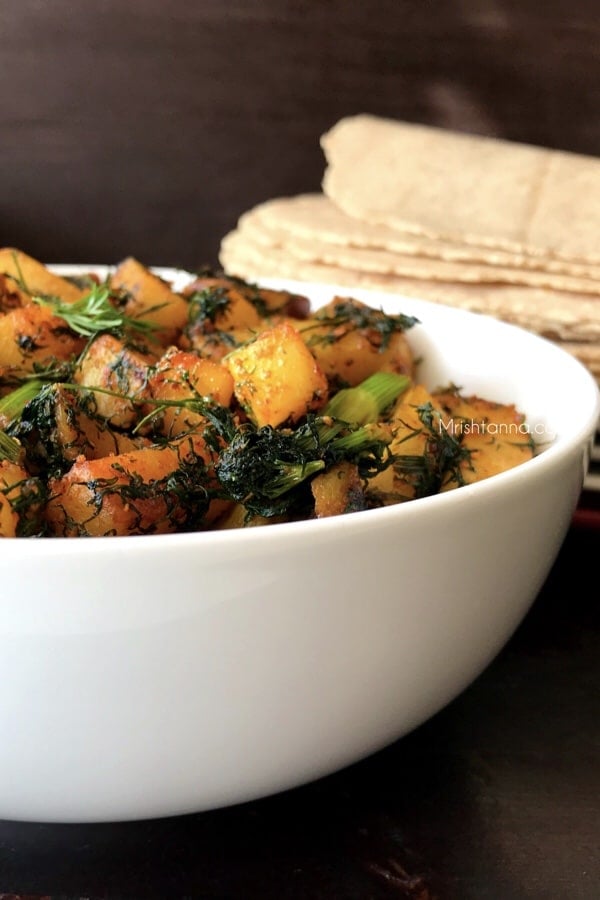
column 151, row 676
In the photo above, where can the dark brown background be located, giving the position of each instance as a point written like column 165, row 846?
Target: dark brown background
column 147, row 127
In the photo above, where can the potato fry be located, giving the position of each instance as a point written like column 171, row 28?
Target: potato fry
column 180, row 375
column 337, row 491
column 262, row 383
column 21, row 501
column 154, row 490
column 112, row 366
column 31, row 336
column 150, row 298
column 32, row 277
column 238, row 410
column 493, row 434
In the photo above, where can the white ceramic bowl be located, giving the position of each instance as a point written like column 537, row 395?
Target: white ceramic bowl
column 148, row 676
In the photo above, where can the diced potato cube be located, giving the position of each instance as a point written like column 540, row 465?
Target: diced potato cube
column 216, row 304
column 339, row 490
column 32, row 335
column 495, row 436
column 153, row 490
column 111, row 365
column 21, row 498
column 203, row 377
column 77, row 433
column 353, row 357
column 276, row 377
column 150, row 299
column 411, row 441
column 11, row 295
column 37, row 279
column 351, row 341
column 183, row 376
column 220, row 318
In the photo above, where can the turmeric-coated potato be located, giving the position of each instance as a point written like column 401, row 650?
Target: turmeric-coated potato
column 77, row 432
column 184, row 376
column 114, row 367
column 31, row 336
column 337, row 491
column 150, row 298
column 21, row 501
column 34, row 278
column 351, row 341
column 154, row 490
column 416, row 449
column 493, row 435
column 276, row 378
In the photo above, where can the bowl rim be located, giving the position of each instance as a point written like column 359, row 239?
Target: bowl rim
column 552, row 456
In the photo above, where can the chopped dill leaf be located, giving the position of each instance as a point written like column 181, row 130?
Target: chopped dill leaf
column 94, row 313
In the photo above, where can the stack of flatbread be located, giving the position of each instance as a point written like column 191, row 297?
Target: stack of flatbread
column 492, row 226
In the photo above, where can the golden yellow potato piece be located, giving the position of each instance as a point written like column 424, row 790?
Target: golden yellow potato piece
column 35, row 278
column 150, row 299
column 131, row 493
column 337, row 491
column 494, row 434
column 183, row 376
column 32, row 336
column 276, row 377
column 111, row 365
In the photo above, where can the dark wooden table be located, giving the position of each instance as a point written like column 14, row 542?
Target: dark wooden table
column 496, row 798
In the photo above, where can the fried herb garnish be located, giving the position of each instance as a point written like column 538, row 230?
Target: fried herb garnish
column 36, row 430
column 266, row 468
column 11, row 408
column 207, row 305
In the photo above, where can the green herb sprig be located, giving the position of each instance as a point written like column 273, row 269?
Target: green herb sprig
column 264, row 468
column 10, row 448
column 11, row 407
column 94, row 313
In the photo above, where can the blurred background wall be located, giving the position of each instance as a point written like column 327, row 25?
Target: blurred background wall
column 146, row 127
